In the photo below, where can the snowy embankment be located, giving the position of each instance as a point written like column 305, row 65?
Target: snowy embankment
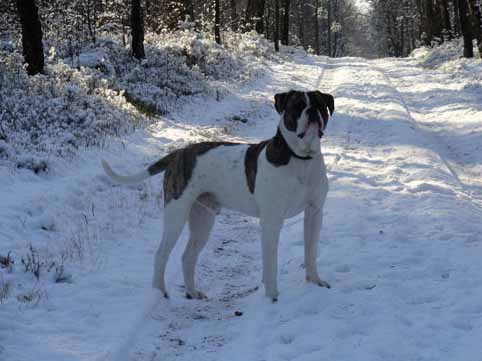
column 401, row 242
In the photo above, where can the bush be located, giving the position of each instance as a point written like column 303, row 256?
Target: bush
column 104, row 91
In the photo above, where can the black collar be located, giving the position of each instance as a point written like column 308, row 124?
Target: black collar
column 297, row 156
column 281, row 139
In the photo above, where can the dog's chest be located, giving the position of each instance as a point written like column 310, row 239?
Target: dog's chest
column 289, row 189
column 299, row 191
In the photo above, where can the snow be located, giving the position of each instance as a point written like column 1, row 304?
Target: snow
column 401, row 242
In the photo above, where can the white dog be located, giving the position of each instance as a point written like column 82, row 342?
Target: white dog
column 273, row 180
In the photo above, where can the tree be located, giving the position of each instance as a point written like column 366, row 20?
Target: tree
column 317, row 28
column 466, row 25
column 276, row 25
column 286, row 22
column 254, row 15
column 234, row 15
column 217, row 22
column 330, row 22
column 33, row 51
column 300, row 20
column 447, row 24
column 137, row 28
column 475, row 7
column 188, row 10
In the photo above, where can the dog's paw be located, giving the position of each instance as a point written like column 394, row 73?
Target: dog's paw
column 196, row 295
column 318, row 281
column 273, row 295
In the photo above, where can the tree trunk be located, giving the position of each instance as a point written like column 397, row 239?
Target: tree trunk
column 217, row 22
column 234, row 15
column 457, row 24
column 437, row 22
column 250, row 17
column 254, row 15
column 91, row 19
column 317, row 28
column 31, row 36
column 286, row 22
column 336, row 36
column 429, row 22
column 446, row 19
column 328, row 32
column 276, row 25
column 301, row 32
column 466, row 26
column 188, row 10
column 137, row 28
column 477, row 23
column 259, row 16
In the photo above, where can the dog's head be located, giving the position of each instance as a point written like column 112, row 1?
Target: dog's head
column 304, row 117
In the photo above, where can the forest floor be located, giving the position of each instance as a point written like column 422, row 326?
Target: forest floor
column 401, row 243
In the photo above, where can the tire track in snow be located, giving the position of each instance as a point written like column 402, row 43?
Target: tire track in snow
column 462, row 190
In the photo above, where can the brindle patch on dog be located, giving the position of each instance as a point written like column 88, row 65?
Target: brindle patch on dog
column 251, row 163
column 278, row 154
column 161, row 165
column 179, row 167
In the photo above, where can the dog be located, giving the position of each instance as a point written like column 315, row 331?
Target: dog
column 272, row 180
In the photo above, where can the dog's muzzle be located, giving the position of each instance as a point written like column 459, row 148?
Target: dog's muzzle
column 312, row 125
column 314, row 121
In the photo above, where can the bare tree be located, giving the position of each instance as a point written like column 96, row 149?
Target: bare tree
column 31, row 36
column 137, row 28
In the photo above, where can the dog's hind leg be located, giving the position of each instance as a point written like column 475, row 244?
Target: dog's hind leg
column 175, row 216
column 201, row 221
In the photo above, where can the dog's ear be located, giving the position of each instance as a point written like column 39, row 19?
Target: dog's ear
column 280, row 101
column 326, row 100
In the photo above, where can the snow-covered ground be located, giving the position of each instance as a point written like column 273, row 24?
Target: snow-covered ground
column 401, row 242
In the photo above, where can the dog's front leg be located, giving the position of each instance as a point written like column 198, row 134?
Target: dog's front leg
column 270, row 231
column 312, row 227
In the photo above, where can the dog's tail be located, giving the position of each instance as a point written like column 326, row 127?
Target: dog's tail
column 155, row 168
